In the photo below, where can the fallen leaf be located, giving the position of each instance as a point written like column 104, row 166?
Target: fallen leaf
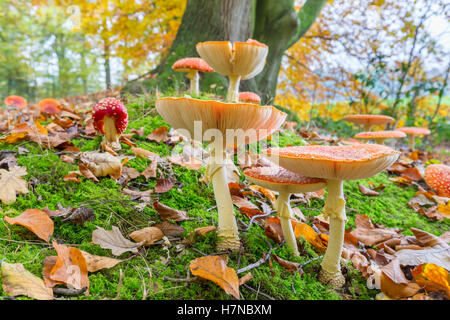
column 145, row 196
column 412, row 174
column 244, row 279
column 394, row 283
column 95, row 263
column 168, row 213
column 213, row 268
column 147, row 235
column 266, row 192
column 81, row 215
column 170, row 229
column 11, row 182
column 17, row 281
column 35, row 220
column 241, row 202
column 163, row 185
column 114, row 240
column 130, row 173
column 72, row 177
column 438, row 256
column 150, row 171
column 100, row 164
column 139, row 132
column 190, row 163
column 289, row 265
column 370, row 234
column 159, row 134
column 204, row 230
column 66, row 158
column 366, row 191
column 303, row 230
column 432, row 278
column 145, row 154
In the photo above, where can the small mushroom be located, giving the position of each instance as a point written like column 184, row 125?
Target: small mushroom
column 111, row 119
column 240, row 60
column 192, row 66
column 412, row 132
column 380, row 136
column 49, row 106
column 16, row 102
column 249, row 97
column 368, row 119
column 284, row 182
column 335, row 164
column 437, row 177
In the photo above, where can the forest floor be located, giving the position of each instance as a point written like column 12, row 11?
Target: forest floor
column 151, row 272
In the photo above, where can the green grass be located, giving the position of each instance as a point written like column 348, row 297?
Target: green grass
column 112, row 208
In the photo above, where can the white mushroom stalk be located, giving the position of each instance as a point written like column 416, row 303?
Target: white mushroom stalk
column 283, row 207
column 111, row 134
column 233, row 88
column 194, row 80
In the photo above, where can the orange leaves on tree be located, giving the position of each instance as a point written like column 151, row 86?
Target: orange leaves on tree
column 214, row 268
column 36, row 221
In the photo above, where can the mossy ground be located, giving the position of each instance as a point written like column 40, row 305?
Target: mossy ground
column 112, row 208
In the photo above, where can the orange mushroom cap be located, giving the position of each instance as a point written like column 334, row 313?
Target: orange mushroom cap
column 415, row 130
column 437, row 177
column 279, row 179
column 380, row 134
column 368, row 119
column 250, row 97
column 188, row 64
column 49, row 105
column 16, row 101
column 335, row 162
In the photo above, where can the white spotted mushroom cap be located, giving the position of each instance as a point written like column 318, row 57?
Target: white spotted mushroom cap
column 110, row 107
column 437, row 177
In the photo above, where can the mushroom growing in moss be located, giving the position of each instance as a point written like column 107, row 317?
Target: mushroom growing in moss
column 335, row 164
column 192, row 66
column 249, row 97
column 219, row 124
column 412, row 132
column 437, row 177
column 111, row 119
column 284, row 182
column 240, row 60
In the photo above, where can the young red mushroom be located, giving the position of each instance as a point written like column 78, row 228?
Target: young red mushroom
column 412, row 132
column 437, row 177
column 380, row 136
column 284, row 182
column 192, row 66
column 110, row 118
column 249, row 97
column 49, row 106
column 16, row 101
column 368, row 119
column 335, row 164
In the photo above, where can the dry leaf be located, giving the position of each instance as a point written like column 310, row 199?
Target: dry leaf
column 163, row 185
column 100, row 164
column 190, row 163
column 241, row 202
column 145, row 154
column 11, row 182
column 214, row 268
column 147, row 235
column 159, row 134
column 438, row 256
column 17, row 281
column 370, row 234
column 288, row 265
column 204, row 230
column 432, row 278
column 266, row 192
column 95, row 263
column 81, row 215
column 366, row 191
column 145, row 196
column 35, row 220
column 245, row 278
column 66, row 158
column 150, row 171
column 114, row 240
column 168, row 213
column 170, row 229
column 72, row 177
column 130, row 173
column 302, row 229
column 394, row 283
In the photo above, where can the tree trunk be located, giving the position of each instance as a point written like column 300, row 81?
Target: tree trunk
column 275, row 23
column 107, row 66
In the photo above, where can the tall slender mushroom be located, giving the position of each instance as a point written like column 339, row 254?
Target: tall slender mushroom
column 335, row 164
column 437, row 177
column 240, row 60
column 380, row 136
column 192, row 66
column 284, row 182
column 368, row 120
column 110, row 118
column 220, row 124
column 249, row 97
column 412, row 132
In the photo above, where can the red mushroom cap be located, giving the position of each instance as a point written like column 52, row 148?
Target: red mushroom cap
column 437, row 177
column 250, row 97
column 368, row 118
column 380, row 134
column 187, row 64
column 16, row 101
column 414, row 130
column 110, row 107
column 49, row 106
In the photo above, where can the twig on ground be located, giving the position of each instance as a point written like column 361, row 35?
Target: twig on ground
column 258, row 292
column 247, row 226
column 69, row 292
column 178, row 280
column 119, row 286
column 260, row 261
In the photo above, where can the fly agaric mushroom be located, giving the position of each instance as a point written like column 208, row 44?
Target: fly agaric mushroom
column 16, row 101
column 110, row 118
column 380, row 136
column 220, row 124
column 437, row 177
column 192, row 66
column 412, row 132
column 240, row 60
column 249, row 97
column 284, row 182
column 49, row 106
column 368, row 119
column 335, row 164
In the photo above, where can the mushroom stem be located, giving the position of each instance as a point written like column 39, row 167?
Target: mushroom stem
column 284, row 210
column 216, row 172
column 194, row 77
column 379, row 140
column 335, row 209
column 367, row 127
column 233, row 88
column 111, row 134
column 412, row 141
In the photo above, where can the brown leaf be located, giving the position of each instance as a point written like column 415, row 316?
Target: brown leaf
column 370, row 234
column 114, row 240
column 273, row 229
column 213, row 268
column 130, row 173
column 81, row 215
column 204, row 230
column 412, row 174
column 66, row 158
column 366, row 191
column 147, row 235
column 241, row 202
column 17, row 281
column 95, row 263
column 144, row 154
column 168, row 213
column 432, row 278
column 245, row 278
column 266, row 192
column 100, row 164
column 145, row 196
column 139, row 132
column 35, row 220
column 72, row 177
column 150, row 171
column 393, row 282
column 163, row 185
column 170, row 229
column 159, row 134
column 11, row 182
column 191, row 163
column 289, row 265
